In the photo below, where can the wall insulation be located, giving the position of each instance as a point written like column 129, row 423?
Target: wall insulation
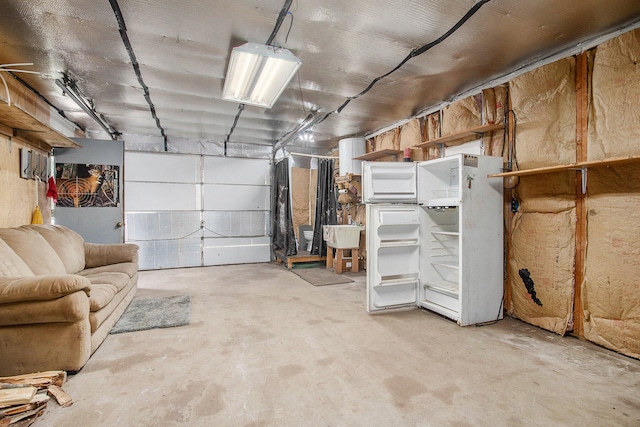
column 611, row 289
column 494, row 101
column 462, row 115
column 544, row 101
column 541, row 256
column 18, row 195
column 614, row 126
column 542, row 252
column 432, row 125
column 410, row 135
column 386, row 141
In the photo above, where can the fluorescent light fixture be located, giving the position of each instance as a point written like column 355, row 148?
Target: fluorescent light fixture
column 258, row 74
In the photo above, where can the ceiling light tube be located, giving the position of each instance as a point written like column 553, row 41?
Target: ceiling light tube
column 258, row 74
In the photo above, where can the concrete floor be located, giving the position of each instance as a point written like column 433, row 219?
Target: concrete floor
column 266, row 348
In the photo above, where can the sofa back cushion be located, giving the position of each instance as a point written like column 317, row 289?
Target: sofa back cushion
column 68, row 244
column 34, row 250
column 11, row 265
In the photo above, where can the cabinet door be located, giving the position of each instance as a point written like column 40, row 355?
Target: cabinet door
column 393, row 256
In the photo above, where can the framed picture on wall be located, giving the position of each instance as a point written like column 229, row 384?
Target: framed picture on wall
column 84, row 185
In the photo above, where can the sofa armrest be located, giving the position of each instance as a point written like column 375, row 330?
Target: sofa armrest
column 97, row 255
column 41, row 288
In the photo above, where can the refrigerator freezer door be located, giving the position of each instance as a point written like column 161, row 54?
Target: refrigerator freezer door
column 393, row 256
column 389, row 182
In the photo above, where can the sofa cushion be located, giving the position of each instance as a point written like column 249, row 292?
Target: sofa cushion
column 34, row 250
column 68, row 244
column 67, row 309
column 41, row 288
column 128, row 268
column 11, row 265
column 97, row 255
column 101, row 295
column 117, row 279
column 97, row 318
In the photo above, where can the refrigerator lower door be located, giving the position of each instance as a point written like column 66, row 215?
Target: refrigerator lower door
column 393, row 256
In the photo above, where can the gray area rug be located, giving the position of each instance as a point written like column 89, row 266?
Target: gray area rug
column 320, row 276
column 151, row 313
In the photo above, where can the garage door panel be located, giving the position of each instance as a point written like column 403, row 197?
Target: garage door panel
column 235, row 224
column 235, row 197
column 178, row 220
column 162, row 167
column 150, row 196
column 237, row 250
column 218, row 170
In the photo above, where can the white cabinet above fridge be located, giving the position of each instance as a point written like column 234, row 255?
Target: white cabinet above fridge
column 439, row 244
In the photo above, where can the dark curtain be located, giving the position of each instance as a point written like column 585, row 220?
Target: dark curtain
column 282, row 235
column 325, row 205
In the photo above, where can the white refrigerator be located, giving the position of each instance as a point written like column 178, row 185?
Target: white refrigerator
column 435, row 236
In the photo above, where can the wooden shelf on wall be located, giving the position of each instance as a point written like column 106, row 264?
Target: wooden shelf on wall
column 592, row 164
column 30, row 129
column 374, row 155
column 459, row 136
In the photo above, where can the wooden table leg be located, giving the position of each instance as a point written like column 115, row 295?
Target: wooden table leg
column 355, row 262
column 329, row 257
column 339, row 253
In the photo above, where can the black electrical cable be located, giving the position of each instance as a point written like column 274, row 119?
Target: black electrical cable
column 286, row 38
column 412, row 54
column 301, row 97
column 235, row 122
column 512, row 141
column 281, row 16
column 419, row 51
column 136, row 67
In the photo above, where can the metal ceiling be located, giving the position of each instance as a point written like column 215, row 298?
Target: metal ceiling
column 182, row 49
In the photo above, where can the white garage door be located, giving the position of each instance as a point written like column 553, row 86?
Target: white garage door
column 192, row 210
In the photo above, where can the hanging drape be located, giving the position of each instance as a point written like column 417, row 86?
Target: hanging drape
column 282, row 235
column 325, row 205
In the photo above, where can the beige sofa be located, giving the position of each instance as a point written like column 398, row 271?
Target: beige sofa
column 59, row 296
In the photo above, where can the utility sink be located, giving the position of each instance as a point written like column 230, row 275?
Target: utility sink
column 342, row 236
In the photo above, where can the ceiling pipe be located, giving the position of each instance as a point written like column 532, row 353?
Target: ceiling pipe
column 70, row 89
column 311, row 120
